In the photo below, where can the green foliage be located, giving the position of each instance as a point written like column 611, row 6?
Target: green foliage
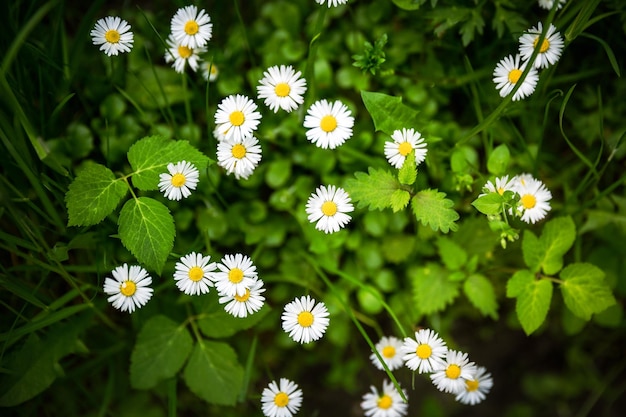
column 217, row 323
column 374, row 189
column 408, row 172
column 388, row 112
column 373, row 56
column 433, row 209
column 498, row 161
column 479, row 290
column 533, row 303
column 432, row 288
column 584, row 290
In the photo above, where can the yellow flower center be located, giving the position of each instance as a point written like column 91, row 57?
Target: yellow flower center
column 423, row 351
column 239, row 151
column 112, row 36
column 453, row 371
column 196, row 273
column 235, row 275
column 281, row 399
column 329, row 208
column 528, row 201
column 282, row 89
column 500, row 191
column 184, row 52
column 545, row 45
column 191, row 28
column 236, row 118
column 514, row 75
column 389, row 351
column 405, row 148
column 305, row 319
column 178, row 180
column 243, row 298
column 385, row 402
column 128, row 288
column 471, row 385
column 328, row 123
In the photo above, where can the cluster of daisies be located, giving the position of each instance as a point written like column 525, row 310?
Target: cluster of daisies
column 532, row 196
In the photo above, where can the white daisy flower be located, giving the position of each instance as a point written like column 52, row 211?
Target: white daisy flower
column 328, row 207
column 282, row 399
column 425, row 353
column 282, row 87
column 387, row 403
column 389, row 349
column 237, row 117
column 547, row 4
column 129, row 288
column 193, row 274
column 113, row 35
column 304, row 320
column 190, row 28
column 508, row 72
column 501, row 185
column 404, row 141
column 210, row 71
column 534, row 201
column 550, row 50
column 476, row 388
column 181, row 55
column 451, row 376
column 249, row 303
column 333, row 3
column 182, row 178
column 218, row 134
column 329, row 125
column 240, row 157
column 237, row 274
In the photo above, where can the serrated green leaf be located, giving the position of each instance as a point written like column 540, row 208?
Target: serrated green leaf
column 213, row 373
column 146, row 229
column 519, row 283
column 452, row 255
column 93, row 195
column 489, row 204
column 149, row 157
column 399, row 200
column 408, row 172
column 388, row 112
column 217, row 323
column 374, row 189
column 161, row 349
column 479, row 290
column 475, row 23
column 433, row 209
column 584, row 290
column 533, row 304
column 498, row 161
column 532, row 250
column 432, row 290
column 557, row 238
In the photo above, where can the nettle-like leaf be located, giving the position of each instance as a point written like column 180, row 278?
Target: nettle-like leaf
column 408, row 172
column 452, row 255
column 584, row 290
column 399, row 200
column 149, row 157
column 489, row 204
column 547, row 252
column 434, row 210
column 432, row 289
column 147, row 230
column 480, row 292
column 388, row 112
column 93, row 195
column 374, row 189
column 518, row 283
column 533, row 299
column 213, row 373
column 161, row 350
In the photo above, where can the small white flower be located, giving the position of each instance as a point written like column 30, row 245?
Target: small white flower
column 182, row 55
column 240, row 157
column 501, row 185
column 389, row 349
column 182, row 178
column 282, row 399
column 237, row 274
column 550, row 50
column 333, row 3
column 425, row 353
column 193, row 274
column 249, row 303
column 304, row 320
column 451, row 376
column 113, row 34
column 190, row 28
column 210, row 71
column 476, row 388
column 282, row 87
column 535, row 198
column 387, row 403
column 129, row 288
column 328, row 207
column 404, row 141
column 508, row 72
column 547, row 4
column 237, row 117
column 329, row 125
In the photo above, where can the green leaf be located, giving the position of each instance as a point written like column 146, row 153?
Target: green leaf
column 584, row 290
column 452, row 255
column 532, row 250
column 213, row 373
column 533, row 304
column 432, row 290
column 434, row 210
column 93, row 195
column 474, row 24
column 479, row 290
column 557, row 238
column 399, row 200
column 215, row 322
column 498, row 161
column 489, row 204
column 519, row 282
column 388, row 112
column 149, row 157
column 146, row 228
column 161, row 349
column 408, row 171
column 374, row 189
column 409, row 4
